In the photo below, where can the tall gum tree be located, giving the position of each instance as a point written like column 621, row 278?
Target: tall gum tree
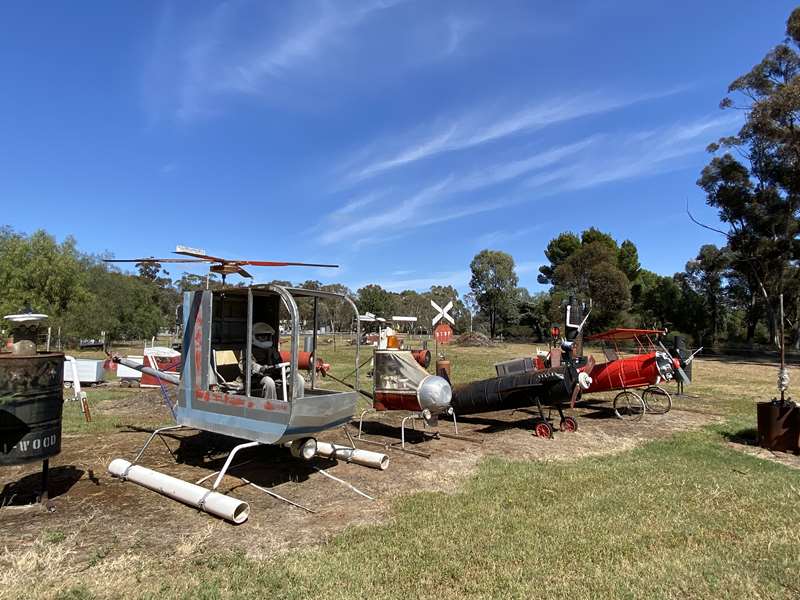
column 758, row 197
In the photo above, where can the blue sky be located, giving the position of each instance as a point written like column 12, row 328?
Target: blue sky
column 395, row 138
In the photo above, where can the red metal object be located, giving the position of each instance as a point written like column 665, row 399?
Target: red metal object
column 636, row 371
column 396, row 401
column 631, row 372
column 569, row 424
column 164, row 364
column 544, row 430
column 443, row 333
column 304, row 362
column 423, row 357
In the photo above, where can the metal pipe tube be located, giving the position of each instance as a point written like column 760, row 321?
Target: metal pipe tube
column 168, row 377
column 214, row 503
column 366, row 458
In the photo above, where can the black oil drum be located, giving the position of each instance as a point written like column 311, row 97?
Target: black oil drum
column 30, row 406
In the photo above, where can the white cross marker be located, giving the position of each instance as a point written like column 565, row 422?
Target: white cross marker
column 442, row 312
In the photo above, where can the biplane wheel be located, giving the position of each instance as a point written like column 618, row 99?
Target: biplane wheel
column 629, row 406
column 657, row 400
column 544, row 430
column 569, row 424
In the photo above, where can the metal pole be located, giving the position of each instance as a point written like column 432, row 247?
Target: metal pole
column 314, row 343
column 45, row 481
column 783, row 358
column 248, row 363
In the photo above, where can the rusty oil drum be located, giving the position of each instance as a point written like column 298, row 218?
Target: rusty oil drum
column 30, row 407
column 778, row 426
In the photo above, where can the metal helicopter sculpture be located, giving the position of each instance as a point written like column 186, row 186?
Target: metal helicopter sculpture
column 218, row 389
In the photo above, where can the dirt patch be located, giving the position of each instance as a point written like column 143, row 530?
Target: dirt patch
column 785, row 458
column 106, row 517
column 474, row 339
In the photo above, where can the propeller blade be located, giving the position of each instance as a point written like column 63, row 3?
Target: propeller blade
column 681, row 373
column 151, row 259
column 684, row 377
column 272, row 263
column 202, row 257
column 576, row 392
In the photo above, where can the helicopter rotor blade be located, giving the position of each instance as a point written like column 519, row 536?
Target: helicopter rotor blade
column 201, row 257
column 152, row 259
column 270, row 263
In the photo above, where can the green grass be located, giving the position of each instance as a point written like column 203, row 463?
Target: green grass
column 105, row 418
column 686, row 517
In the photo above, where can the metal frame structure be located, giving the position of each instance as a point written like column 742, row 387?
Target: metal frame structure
column 640, row 370
column 207, row 403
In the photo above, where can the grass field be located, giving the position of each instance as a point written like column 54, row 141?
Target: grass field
column 685, row 517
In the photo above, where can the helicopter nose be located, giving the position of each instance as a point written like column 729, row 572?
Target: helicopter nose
column 434, row 394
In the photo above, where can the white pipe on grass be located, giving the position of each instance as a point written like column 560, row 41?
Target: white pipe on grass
column 214, row 503
column 366, row 458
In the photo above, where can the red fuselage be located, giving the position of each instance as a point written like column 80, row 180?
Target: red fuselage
column 636, row 371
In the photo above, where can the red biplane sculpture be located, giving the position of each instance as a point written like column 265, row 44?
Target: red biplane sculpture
column 650, row 365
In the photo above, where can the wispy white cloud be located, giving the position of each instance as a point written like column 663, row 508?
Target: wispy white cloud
column 282, row 53
column 399, row 214
column 590, row 162
column 500, row 173
column 355, row 204
column 457, row 279
column 303, row 43
column 475, row 129
column 458, row 29
column 636, row 154
column 504, row 236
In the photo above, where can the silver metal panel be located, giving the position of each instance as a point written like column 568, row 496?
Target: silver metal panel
column 317, row 413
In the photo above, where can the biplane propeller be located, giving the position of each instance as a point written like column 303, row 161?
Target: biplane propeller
column 223, row 266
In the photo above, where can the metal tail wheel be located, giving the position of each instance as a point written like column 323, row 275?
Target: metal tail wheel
column 629, row 406
column 569, row 424
column 544, row 430
column 657, row 400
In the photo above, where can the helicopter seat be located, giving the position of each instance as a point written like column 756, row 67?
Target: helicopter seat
column 225, row 366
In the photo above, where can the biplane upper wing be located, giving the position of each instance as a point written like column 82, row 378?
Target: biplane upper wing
column 621, row 333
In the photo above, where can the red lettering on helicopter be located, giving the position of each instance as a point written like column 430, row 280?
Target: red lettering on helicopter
column 198, row 342
column 239, row 401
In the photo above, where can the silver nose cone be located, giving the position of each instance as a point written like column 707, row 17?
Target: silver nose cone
column 434, row 394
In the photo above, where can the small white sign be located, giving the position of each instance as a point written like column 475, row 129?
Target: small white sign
column 442, row 314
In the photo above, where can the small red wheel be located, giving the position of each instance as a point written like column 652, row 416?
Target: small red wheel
column 569, row 424
column 544, row 430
